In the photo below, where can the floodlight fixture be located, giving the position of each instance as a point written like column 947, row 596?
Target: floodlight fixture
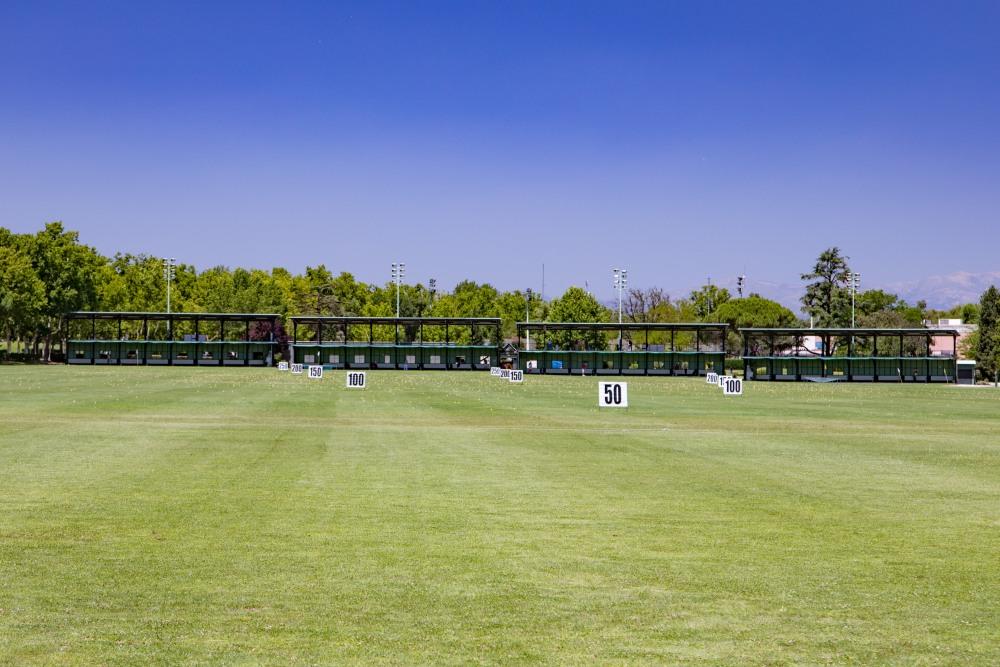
column 398, row 271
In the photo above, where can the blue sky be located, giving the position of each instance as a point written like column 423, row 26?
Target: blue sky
column 481, row 140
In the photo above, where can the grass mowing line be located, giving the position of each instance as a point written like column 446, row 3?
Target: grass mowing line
column 406, row 525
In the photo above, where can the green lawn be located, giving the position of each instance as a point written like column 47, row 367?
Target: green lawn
column 250, row 516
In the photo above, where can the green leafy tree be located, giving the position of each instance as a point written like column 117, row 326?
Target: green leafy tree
column 136, row 283
column 753, row 311
column 476, row 300
column 967, row 312
column 577, row 305
column 874, row 301
column 69, row 271
column 512, row 308
column 988, row 345
column 319, row 292
column 827, row 298
column 706, row 299
column 22, row 293
column 351, row 295
column 968, row 346
column 471, row 299
column 220, row 290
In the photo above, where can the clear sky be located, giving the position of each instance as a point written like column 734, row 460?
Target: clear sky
column 481, row 140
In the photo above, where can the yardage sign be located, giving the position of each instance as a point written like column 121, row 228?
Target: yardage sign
column 356, row 380
column 505, row 374
column 517, row 376
column 316, row 372
column 612, row 394
column 282, row 365
column 495, row 371
column 732, row 386
column 296, row 369
column 712, row 378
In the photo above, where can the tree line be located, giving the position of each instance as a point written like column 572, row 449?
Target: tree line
column 50, row 273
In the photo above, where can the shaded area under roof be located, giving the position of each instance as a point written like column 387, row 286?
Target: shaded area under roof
column 847, row 331
column 626, row 326
column 113, row 315
column 305, row 319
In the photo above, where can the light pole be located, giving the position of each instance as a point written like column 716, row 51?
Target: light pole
column 855, row 285
column 169, row 273
column 621, row 280
column 740, row 281
column 432, row 284
column 527, row 318
column 398, row 271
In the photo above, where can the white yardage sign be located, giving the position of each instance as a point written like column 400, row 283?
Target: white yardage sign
column 316, row 372
column 505, row 374
column 712, row 378
column 732, row 386
column 612, row 394
column 296, row 369
column 517, row 376
column 495, row 371
column 356, row 380
column 282, row 365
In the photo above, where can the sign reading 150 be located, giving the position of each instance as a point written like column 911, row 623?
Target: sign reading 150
column 612, row 394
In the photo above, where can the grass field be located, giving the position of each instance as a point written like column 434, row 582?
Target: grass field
column 249, row 516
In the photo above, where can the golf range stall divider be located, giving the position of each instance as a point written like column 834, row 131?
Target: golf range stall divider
column 852, row 355
column 397, row 343
column 630, row 348
column 171, row 339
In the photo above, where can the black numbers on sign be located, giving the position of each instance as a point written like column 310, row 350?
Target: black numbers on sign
column 612, row 394
column 356, row 379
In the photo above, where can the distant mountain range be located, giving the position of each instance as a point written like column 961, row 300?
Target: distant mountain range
column 941, row 292
column 947, row 290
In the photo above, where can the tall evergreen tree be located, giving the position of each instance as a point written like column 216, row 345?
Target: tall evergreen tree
column 827, row 297
column 988, row 349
